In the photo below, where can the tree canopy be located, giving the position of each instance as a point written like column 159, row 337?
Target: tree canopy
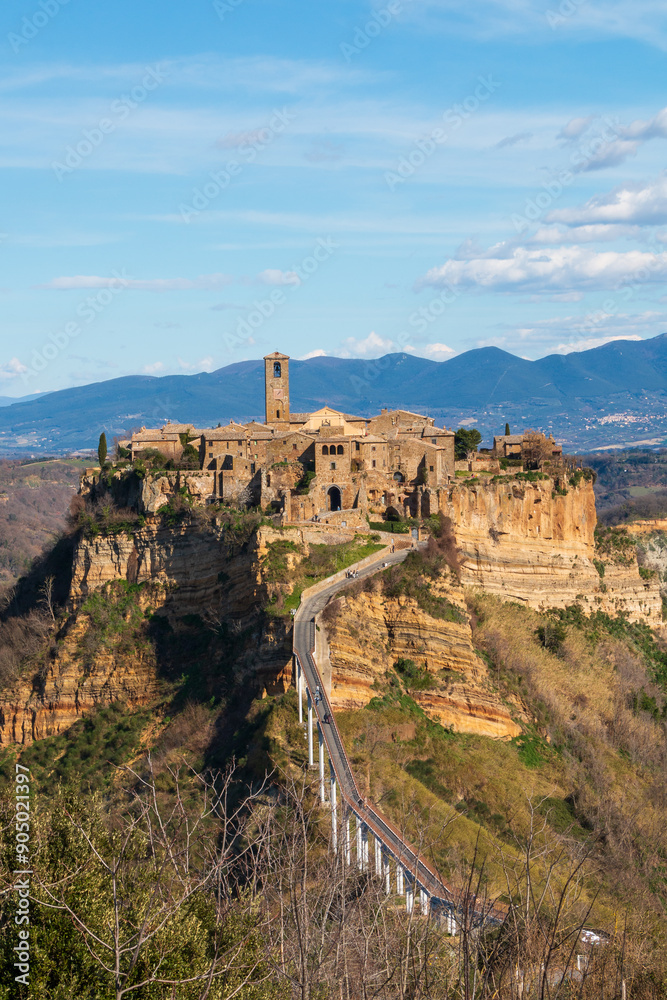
column 466, row 440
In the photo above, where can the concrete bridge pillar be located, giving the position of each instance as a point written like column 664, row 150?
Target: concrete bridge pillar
column 378, row 856
column 399, row 880
column 320, row 747
column 409, row 896
column 334, row 810
column 299, row 689
column 386, row 872
column 310, row 730
column 360, row 849
column 364, row 847
column 347, row 840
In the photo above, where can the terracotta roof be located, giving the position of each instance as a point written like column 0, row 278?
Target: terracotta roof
column 155, row 435
column 225, row 434
column 276, row 356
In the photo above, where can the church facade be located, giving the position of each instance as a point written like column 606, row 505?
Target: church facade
column 323, row 465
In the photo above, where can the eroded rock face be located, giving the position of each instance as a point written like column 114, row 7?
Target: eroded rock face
column 187, row 571
column 369, row 633
column 526, row 542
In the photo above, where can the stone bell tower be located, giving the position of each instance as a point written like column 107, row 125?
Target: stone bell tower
column 276, row 390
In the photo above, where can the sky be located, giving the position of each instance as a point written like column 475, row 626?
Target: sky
column 190, row 185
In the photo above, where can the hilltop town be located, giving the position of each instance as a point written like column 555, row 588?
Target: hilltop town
column 327, row 465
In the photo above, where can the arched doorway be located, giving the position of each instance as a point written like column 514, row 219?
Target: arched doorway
column 334, row 498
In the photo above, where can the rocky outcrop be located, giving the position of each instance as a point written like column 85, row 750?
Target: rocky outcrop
column 526, row 541
column 49, row 704
column 366, row 634
column 186, row 570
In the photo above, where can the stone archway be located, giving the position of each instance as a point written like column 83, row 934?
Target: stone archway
column 333, row 498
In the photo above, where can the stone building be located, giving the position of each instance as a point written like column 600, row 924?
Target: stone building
column 528, row 445
column 327, row 464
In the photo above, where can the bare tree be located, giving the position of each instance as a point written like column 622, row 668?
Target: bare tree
column 151, row 866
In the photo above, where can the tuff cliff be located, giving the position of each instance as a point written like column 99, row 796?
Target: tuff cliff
column 534, row 542
column 135, row 599
column 199, row 571
column 367, row 633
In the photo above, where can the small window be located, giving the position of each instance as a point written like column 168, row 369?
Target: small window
column 325, row 449
column 210, row 454
column 277, row 414
column 374, row 463
column 293, row 447
column 252, row 468
column 372, row 447
column 277, row 369
column 333, row 465
column 434, row 440
column 340, row 450
column 268, row 480
column 430, row 468
column 356, row 446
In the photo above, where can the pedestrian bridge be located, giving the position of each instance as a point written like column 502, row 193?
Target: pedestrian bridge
column 395, row 861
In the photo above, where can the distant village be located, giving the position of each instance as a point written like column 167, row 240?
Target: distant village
column 327, row 465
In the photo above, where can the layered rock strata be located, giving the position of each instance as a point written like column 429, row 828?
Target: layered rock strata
column 368, row 633
column 527, row 542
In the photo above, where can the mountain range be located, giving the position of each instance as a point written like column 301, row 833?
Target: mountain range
column 615, row 394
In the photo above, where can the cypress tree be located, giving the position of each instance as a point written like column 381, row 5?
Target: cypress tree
column 507, row 429
column 102, row 450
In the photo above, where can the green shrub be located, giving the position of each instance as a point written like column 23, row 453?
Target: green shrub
column 415, row 678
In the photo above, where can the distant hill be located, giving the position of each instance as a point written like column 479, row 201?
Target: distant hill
column 612, row 395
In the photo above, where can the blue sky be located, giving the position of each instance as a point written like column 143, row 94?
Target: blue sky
column 189, row 185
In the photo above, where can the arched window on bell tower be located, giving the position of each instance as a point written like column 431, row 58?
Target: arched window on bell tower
column 276, row 389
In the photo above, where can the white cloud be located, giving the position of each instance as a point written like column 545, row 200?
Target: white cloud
column 10, row 369
column 319, row 353
column 548, row 235
column 205, row 282
column 564, row 334
column 513, row 140
column 274, row 276
column 575, row 128
column 205, row 365
column 152, row 369
column 372, row 346
column 630, row 203
column 488, row 20
column 588, row 343
column 436, row 352
column 556, row 268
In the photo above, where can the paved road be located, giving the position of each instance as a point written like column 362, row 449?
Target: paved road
column 379, row 825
